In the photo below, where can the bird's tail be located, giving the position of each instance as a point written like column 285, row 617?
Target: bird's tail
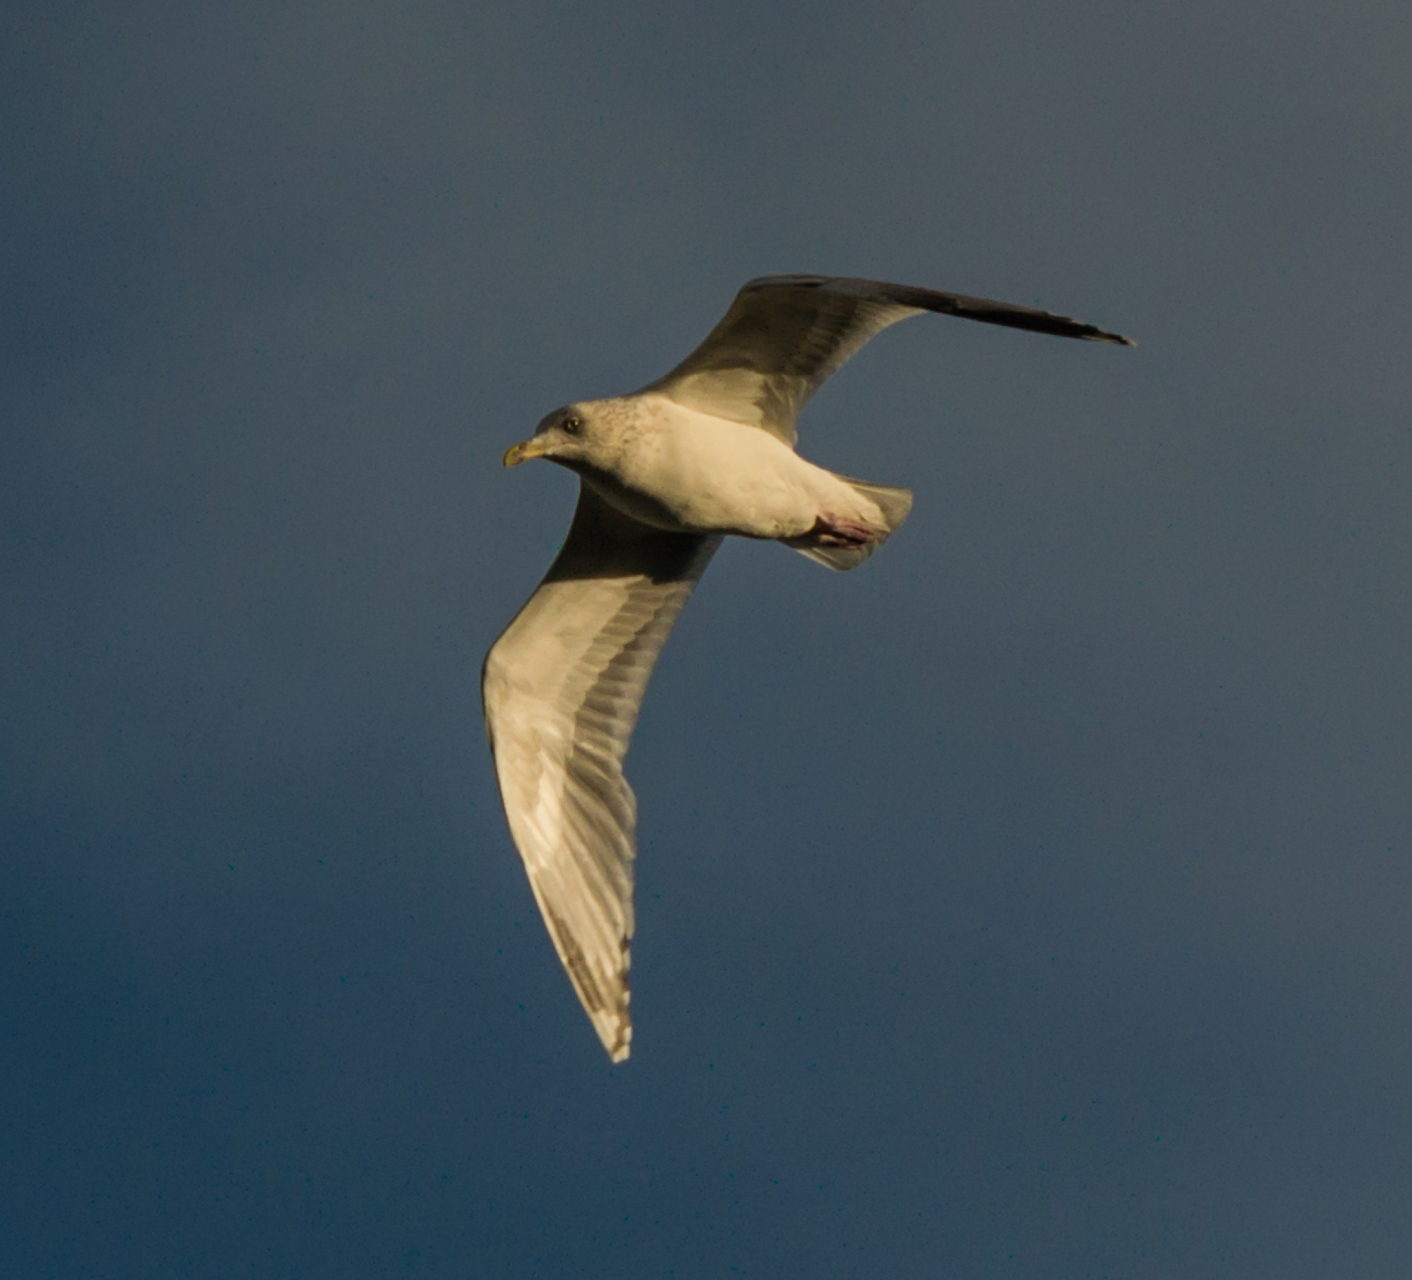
column 893, row 505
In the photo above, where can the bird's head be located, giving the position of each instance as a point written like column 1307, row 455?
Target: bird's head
column 566, row 436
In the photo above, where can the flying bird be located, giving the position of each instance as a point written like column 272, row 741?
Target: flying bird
column 664, row 474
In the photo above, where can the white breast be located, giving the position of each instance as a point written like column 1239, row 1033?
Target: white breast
column 713, row 474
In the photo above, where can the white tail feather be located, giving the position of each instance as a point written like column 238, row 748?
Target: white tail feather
column 894, row 504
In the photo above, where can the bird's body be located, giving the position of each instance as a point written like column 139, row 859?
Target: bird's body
column 703, row 452
column 685, row 471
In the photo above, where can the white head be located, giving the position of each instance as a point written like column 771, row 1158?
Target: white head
column 588, row 435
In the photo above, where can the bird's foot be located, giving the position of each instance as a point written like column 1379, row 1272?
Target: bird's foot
column 836, row 531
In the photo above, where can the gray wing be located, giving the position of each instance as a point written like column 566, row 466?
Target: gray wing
column 562, row 687
column 783, row 335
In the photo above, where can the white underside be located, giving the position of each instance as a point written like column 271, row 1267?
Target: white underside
column 713, row 475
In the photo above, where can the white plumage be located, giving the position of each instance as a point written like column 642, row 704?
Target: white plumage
column 705, row 451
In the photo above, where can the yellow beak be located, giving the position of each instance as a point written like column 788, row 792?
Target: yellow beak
column 532, row 448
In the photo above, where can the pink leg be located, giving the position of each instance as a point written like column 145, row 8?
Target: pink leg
column 835, row 531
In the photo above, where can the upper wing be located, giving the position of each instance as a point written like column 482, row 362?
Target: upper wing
column 562, row 687
column 783, row 335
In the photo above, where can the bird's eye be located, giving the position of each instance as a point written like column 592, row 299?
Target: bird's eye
column 572, row 426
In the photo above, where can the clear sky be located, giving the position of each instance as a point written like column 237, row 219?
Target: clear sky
column 1032, row 901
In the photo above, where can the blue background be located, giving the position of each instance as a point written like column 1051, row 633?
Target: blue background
column 1033, row 901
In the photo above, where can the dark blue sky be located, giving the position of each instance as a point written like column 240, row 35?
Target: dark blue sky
column 1033, row 901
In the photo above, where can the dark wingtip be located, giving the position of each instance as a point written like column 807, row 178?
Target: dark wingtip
column 964, row 306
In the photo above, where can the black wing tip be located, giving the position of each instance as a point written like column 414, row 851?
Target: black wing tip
column 1113, row 339
column 963, row 306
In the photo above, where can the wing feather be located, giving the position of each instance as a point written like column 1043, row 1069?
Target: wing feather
column 562, row 688
column 784, row 335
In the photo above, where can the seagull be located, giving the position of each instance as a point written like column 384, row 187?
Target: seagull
column 664, row 474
